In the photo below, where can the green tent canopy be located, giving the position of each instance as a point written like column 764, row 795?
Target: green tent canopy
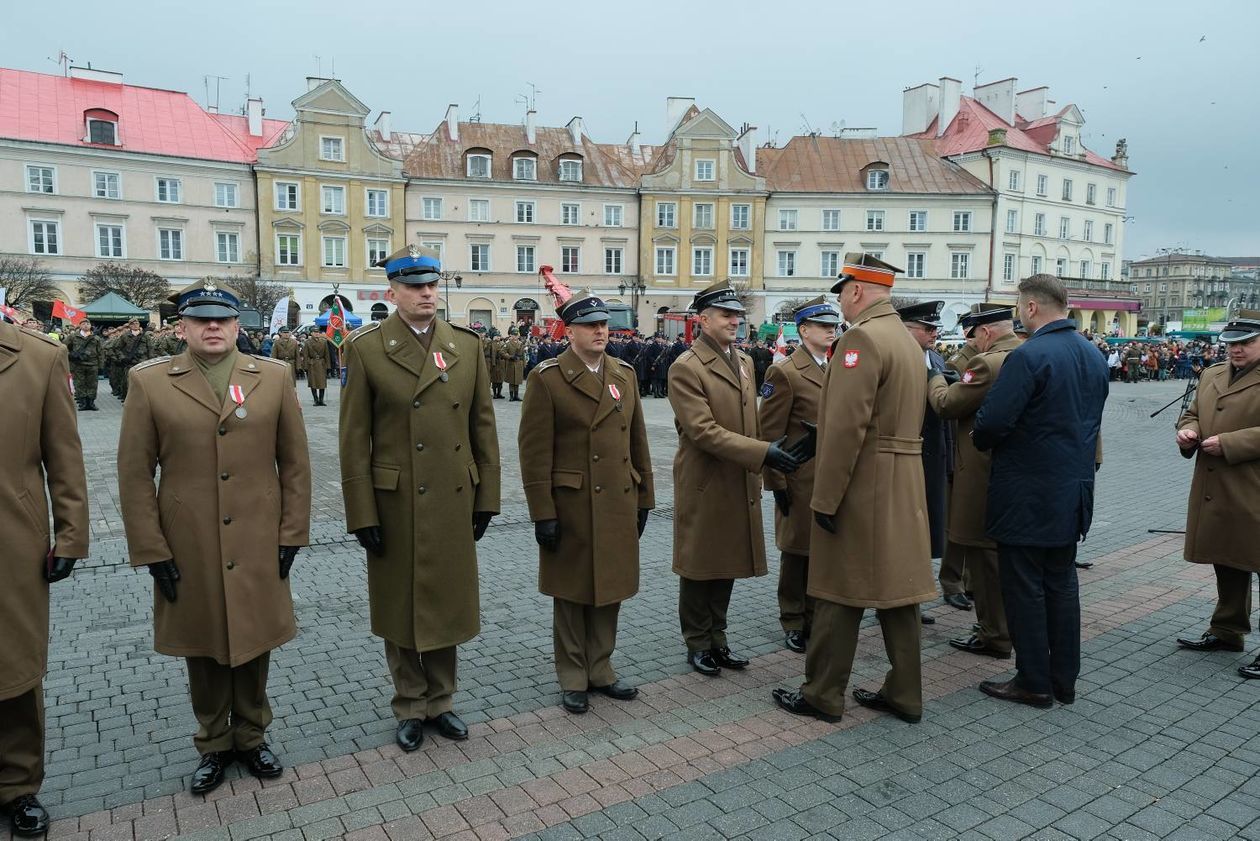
column 112, row 306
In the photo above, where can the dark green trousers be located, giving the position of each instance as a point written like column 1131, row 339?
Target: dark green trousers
column 584, row 638
column 702, row 607
column 423, row 681
column 1231, row 621
column 230, row 704
column 833, row 646
column 21, row 744
column 796, row 609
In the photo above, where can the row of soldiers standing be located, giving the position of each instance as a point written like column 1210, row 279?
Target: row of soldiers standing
column 505, row 360
column 313, row 355
column 115, row 350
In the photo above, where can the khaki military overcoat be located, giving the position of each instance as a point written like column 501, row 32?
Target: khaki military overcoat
column 286, row 349
column 968, row 500
column 315, row 360
column 419, row 455
column 231, row 492
column 585, row 462
column 717, row 467
column 497, row 373
column 790, row 395
column 958, row 361
column 870, row 471
column 39, row 438
column 1223, row 517
column 512, row 356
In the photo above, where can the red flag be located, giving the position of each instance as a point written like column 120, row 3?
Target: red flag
column 336, row 329
column 9, row 312
column 74, row 316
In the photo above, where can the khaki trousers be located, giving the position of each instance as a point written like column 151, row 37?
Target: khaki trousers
column 829, row 658
column 423, row 682
column 702, row 609
column 21, row 744
column 230, row 704
column 986, row 585
column 1231, row 621
column 584, row 639
column 953, row 564
column 796, row 609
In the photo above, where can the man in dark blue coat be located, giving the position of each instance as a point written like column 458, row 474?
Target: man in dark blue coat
column 1041, row 420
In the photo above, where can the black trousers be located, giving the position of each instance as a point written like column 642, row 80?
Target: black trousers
column 1043, row 612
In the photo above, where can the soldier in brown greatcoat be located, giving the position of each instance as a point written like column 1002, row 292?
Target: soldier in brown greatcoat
column 220, row 532
column 41, row 448
column 420, row 479
column 954, row 577
column 717, row 481
column 285, row 348
column 315, row 361
column 588, row 481
column 512, row 357
column 869, row 547
column 1222, row 427
column 789, row 398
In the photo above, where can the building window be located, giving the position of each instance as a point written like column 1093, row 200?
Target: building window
column 665, row 261
column 1091, row 193
column 1111, row 197
column 1086, row 267
column 829, row 264
column 333, row 200
column 334, row 252
column 288, row 249
column 739, row 262
column 962, row 220
column 704, row 170
column 287, row 196
column 1067, row 189
column 1089, row 230
column 1036, row 265
column 525, row 169
column 741, row 217
column 525, row 259
column 479, row 210
column 916, row 261
column 377, row 250
column 1012, row 221
column 332, row 149
column 169, row 190
column 1065, row 227
column 612, row 215
column 787, row 263
column 1109, row 231
column 1060, row 267
column 45, row 237
column 570, row 170
column 107, row 185
column 1069, row 145
column 877, row 179
column 478, row 166
column 109, row 241
column 702, row 215
column 1104, row 272
column 378, row 203
column 227, row 247
column 831, row 220
column 787, row 220
column 1039, row 224
column 612, row 260
column 570, row 214
column 666, row 214
column 226, row 194
column 479, row 257
column 702, row 262
column 170, row 244
column 435, row 247
column 918, row 220
column 570, row 259
column 525, row 211
column 104, row 132
column 1043, row 184
column 874, row 220
column 41, row 179
column 1012, row 180
column 959, row 265
column 1008, row 267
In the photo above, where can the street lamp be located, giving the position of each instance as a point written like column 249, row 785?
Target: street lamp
column 447, row 276
column 637, row 287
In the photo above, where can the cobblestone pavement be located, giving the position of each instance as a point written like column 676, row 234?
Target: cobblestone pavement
column 1160, row 743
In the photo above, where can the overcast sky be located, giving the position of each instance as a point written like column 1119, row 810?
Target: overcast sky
column 1178, row 80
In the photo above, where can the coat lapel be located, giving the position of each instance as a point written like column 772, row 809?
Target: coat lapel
column 401, row 346
column 443, row 343
column 807, row 366
column 714, row 362
column 1251, row 378
column 185, row 377
column 245, row 374
column 573, row 369
column 10, row 344
column 613, row 378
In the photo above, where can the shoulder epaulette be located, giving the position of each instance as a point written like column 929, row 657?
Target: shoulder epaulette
column 25, row 331
column 1215, row 364
column 364, row 330
column 272, row 361
column 549, row 363
column 149, row 363
column 466, row 330
column 624, row 362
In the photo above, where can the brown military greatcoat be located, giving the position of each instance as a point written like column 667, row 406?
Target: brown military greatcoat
column 315, row 360
column 286, row 349
column 512, row 357
column 790, row 395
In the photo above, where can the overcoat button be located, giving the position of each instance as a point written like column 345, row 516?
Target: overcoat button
column 227, row 521
column 223, row 430
column 223, row 476
column 423, row 489
column 458, row 446
column 455, row 405
column 1208, row 498
column 415, row 404
column 626, row 489
column 231, row 565
column 598, row 489
column 595, row 457
column 419, row 446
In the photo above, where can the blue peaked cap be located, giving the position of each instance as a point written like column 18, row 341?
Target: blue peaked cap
column 412, row 265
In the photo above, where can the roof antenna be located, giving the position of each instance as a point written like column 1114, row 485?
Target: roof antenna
column 63, row 60
column 975, row 80
column 476, row 111
column 533, row 95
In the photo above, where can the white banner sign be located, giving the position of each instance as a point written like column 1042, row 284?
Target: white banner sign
column 279, row 316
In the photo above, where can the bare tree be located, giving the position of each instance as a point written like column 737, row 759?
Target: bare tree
column 26, row 281
column 141, row 287
column 262, row 295
column 786, row 308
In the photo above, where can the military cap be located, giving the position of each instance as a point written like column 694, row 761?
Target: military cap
column 858, row 265
column 817, row 310
column 986, row 313
column 721, row 295
column 284, row 329
column 207, row 299
column 583, row 308
column 926, row 312
column 412, row 265
column 1244, row 326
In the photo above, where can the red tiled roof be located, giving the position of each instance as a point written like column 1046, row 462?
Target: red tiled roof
column 238, row 127
column 835, row 165
column 45, row 108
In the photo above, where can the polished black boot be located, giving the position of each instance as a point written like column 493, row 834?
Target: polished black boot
column 261, row 761
column 27, row 816
column 321, row 397
column 209, row 773
column 315, row 397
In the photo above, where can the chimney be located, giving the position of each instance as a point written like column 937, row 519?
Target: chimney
column 747, row 143
column 675, row 107
column 383, row 127
column 212, row 109
column 1121, row 157
column 947, row 106
column 1031, row 104
column 633, row 140
column 254, row 113
column 998, row 97
column 452, row 121
column 918, row 107
column 576, row 130
column 312, row 82
column 91, row 75
column 531, row 130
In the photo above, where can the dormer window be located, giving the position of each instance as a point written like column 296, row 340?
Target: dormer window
column 101, row 126
column 877, row 179
column 478, row 165
column 570, row 170
column 524, row 168
column 1069, row 144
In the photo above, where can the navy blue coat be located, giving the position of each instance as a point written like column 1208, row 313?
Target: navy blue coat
column 938, row 464
column 1041, row 419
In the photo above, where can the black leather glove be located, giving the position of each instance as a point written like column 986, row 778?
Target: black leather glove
column 56, row 569
column 643, row 515
column 481, row 520
column 372, row 539
column 805, row 448
column 827, row 521
column 165, row 574
column 780, row 459
column 783, row 499
column 287, row 554
column 951, row 376
column 547, row 533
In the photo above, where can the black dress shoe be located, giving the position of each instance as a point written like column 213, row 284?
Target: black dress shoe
column 795, row 703
column 1011, row 691
column 1064, row 697
column 451, row 726
column 1251, row 672
column 410, row 734
column 877, row 701
column 26, row 816
column 703, row 662
column 618, row 691
column 795, row 641
column 727, row 660
column 958, row 600
column 261, row 761
column 1083, row 564
column 975, row 645
column 209, row 773
column 1209, row 642
column 574, row 702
